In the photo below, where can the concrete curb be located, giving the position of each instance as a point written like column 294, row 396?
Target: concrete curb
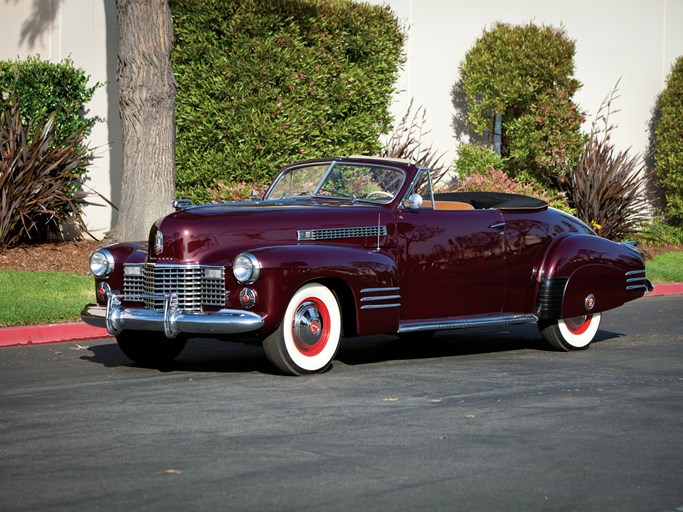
column 57, row 333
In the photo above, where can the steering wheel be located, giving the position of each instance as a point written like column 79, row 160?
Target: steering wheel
column 379, row 194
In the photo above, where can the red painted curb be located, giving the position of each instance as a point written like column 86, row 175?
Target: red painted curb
column 56, row 333
column 52, row 333
column 667, row 289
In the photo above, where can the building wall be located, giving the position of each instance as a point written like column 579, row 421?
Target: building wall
column 632, row 40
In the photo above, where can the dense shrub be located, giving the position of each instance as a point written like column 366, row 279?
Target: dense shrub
column 45, row 88
column 44, row 154
column 264, row 82
column 38, row 171
column 669, row 144
column 524, row 74
column 224, row 192
column 657, row 232
column 608, row 186
column 546, row 142
column 476, row 159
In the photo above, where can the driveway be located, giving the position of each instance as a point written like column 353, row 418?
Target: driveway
column 469, row 420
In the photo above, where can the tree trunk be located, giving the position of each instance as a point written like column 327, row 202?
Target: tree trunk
column 147, row 109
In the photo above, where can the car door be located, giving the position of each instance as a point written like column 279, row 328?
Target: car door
column 451, row 262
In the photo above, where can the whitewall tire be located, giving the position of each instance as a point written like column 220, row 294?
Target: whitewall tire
column 308, row 337
column 571, row 333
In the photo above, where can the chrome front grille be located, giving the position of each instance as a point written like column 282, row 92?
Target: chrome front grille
column 195, row 286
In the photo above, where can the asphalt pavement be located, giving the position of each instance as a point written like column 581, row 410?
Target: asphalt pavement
column 477, row 419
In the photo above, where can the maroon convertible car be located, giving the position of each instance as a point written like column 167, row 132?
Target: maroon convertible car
column 353, row 247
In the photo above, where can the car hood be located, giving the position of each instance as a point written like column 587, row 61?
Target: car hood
column 214, row 233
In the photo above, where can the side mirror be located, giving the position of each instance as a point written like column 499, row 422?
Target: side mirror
column 414, row 202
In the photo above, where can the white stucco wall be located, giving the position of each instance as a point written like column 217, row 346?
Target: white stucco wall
column 85, row 31
column 635, row 40
column 632, row 40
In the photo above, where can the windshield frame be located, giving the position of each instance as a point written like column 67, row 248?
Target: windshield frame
column 316, row 192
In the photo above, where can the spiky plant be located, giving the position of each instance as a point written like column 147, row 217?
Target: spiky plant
column 407, row 142
column 38, row 180
column 608, row 186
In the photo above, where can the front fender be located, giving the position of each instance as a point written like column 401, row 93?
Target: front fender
column 348, row 272
column 134, row 252
column 584, row 274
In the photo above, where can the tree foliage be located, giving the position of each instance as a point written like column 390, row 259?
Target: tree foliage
column 524, row 74
column 669, row 143
column 266, row 82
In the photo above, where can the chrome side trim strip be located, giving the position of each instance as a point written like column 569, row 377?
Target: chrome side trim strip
column 380, row 297
column 634, row 272
column 377, row 298
column 468, row 322
column 380, row 306
column 372, row 290
column 637, row 287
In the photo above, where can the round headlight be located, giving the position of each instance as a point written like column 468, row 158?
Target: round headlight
column 246, row 268
column 101, row 263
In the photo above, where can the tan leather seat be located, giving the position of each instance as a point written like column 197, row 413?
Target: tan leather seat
column 452, row 205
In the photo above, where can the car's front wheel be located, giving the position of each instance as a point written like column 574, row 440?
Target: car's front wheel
column 308, row 337
column 570, row 333
column 150, row 348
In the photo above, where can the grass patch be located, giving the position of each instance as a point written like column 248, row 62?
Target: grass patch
column 31, row 298
column 665, row 268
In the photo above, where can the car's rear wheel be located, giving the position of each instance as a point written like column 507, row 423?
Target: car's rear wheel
column 308, row 337
column 571, row 333
column 150, row 348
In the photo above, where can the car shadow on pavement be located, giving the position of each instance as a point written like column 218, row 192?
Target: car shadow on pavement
column 212, row 356
column 209, row 356
column 450, row 344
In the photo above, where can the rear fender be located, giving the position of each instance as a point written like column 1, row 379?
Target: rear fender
column 584, row 274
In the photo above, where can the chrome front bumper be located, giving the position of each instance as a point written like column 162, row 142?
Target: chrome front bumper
column 171, row 320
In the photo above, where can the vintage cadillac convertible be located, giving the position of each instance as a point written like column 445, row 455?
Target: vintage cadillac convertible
column 354, row 247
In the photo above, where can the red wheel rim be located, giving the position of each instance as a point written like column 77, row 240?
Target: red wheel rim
column 311, row 326
column 579, row 324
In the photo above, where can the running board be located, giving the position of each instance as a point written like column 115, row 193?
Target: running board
column 467, row 322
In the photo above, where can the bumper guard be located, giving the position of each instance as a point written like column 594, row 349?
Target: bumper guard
column 171, row 320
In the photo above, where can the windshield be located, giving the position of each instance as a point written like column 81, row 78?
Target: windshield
column 347, row 181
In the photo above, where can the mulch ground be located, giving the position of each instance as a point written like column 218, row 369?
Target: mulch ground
column 73, row 256
column 50, row 257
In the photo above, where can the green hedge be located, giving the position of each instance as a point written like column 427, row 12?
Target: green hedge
column 262, row 83
column 44, row 88
column 669, row 144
